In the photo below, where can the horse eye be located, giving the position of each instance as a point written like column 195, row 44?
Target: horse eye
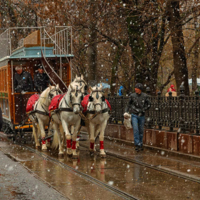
column 103, row 98
column 86, row 87
column 91, row 98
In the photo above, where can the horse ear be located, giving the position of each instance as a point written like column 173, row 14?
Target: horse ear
column 101, row 85
column 57, row 86
column 76, row 76
column 50, row 86
column 71, row 87
column 90, row 88
column 81, row 76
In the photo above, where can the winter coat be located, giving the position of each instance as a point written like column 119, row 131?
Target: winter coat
column 23, row 82
column 41, row 81
column 121, row 88
column 138, row 104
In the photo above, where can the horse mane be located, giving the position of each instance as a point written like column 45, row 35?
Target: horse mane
column 44, row 94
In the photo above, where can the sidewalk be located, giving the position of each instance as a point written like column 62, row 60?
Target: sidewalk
column 16, row 182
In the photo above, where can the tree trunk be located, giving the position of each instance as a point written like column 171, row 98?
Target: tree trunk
column 179, row 56
column 92, row 49
column 196, row 56
column 92, row 56
column 115, row 70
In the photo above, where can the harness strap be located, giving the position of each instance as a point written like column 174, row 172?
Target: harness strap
column 65, row 109
column 38, row 111
column 103, row 111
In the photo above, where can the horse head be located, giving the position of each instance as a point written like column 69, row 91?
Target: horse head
column 81, row 82
column 53, row 91
column 76, row 96
column 96, row 99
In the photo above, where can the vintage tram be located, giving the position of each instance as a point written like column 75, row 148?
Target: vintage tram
column 29, row 47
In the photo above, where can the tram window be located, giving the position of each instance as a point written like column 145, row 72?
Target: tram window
column 6, row 84
column 4, row 76
column 3, row 81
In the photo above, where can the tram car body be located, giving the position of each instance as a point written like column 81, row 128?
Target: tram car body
column 27, row 47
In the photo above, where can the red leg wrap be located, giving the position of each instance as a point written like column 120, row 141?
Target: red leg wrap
column 68, row 143
column 101, row 145
column 43, row 141
column 73, row 144
column 91, row 145
column 49, row 139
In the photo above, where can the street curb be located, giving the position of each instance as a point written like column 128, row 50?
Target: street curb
column 170, row 152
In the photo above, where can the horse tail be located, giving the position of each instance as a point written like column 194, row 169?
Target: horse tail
column 63, row 139
column 38, row 129
column 55, row 142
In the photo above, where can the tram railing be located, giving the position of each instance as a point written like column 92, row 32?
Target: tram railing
column 60, row 36
column 181, row 113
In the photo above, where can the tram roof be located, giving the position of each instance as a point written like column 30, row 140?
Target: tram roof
column 35, row 52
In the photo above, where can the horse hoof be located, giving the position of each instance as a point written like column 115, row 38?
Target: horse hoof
column 37, row 147
column 61, row 154
column 44, row 149
column 69, row 154
column 103, row 155
column 75, row 156
column 92, row 153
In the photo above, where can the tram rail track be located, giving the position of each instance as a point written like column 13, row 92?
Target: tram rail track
column 87, row 177
column 154, row 167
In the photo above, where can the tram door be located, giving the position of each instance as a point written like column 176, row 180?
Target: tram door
column 20, row 99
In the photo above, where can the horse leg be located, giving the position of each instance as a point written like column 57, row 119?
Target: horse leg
column 101, row 139
column 78, row 137
column 92, row 139
column 35, row 131
column 74, row 137
column 42, row 130
column 63, row 136
column 68, row 137
column 58, row 135
column 48, row 141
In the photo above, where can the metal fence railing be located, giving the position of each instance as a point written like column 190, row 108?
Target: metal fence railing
column 60, row 36
column 172, row 113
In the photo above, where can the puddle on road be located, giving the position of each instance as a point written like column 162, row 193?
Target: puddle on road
column 134, row 179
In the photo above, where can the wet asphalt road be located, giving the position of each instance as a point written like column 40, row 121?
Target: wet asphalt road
column 137, row 180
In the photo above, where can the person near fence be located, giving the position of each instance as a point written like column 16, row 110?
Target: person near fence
column 41, row 80
column 171, row 89
column 121, row 90
column 138, row 103
column 22, row 80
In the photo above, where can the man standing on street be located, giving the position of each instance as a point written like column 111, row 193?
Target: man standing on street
column 22, row 81
column 41, row 80
column 138, row 103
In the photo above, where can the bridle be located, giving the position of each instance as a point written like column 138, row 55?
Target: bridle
column 97, row 97
column 51, row 95
column 80, row 82
column 76, row 94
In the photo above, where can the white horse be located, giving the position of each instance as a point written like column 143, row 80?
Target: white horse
column 97, row 115
column 40, row 114
column 68, row 116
